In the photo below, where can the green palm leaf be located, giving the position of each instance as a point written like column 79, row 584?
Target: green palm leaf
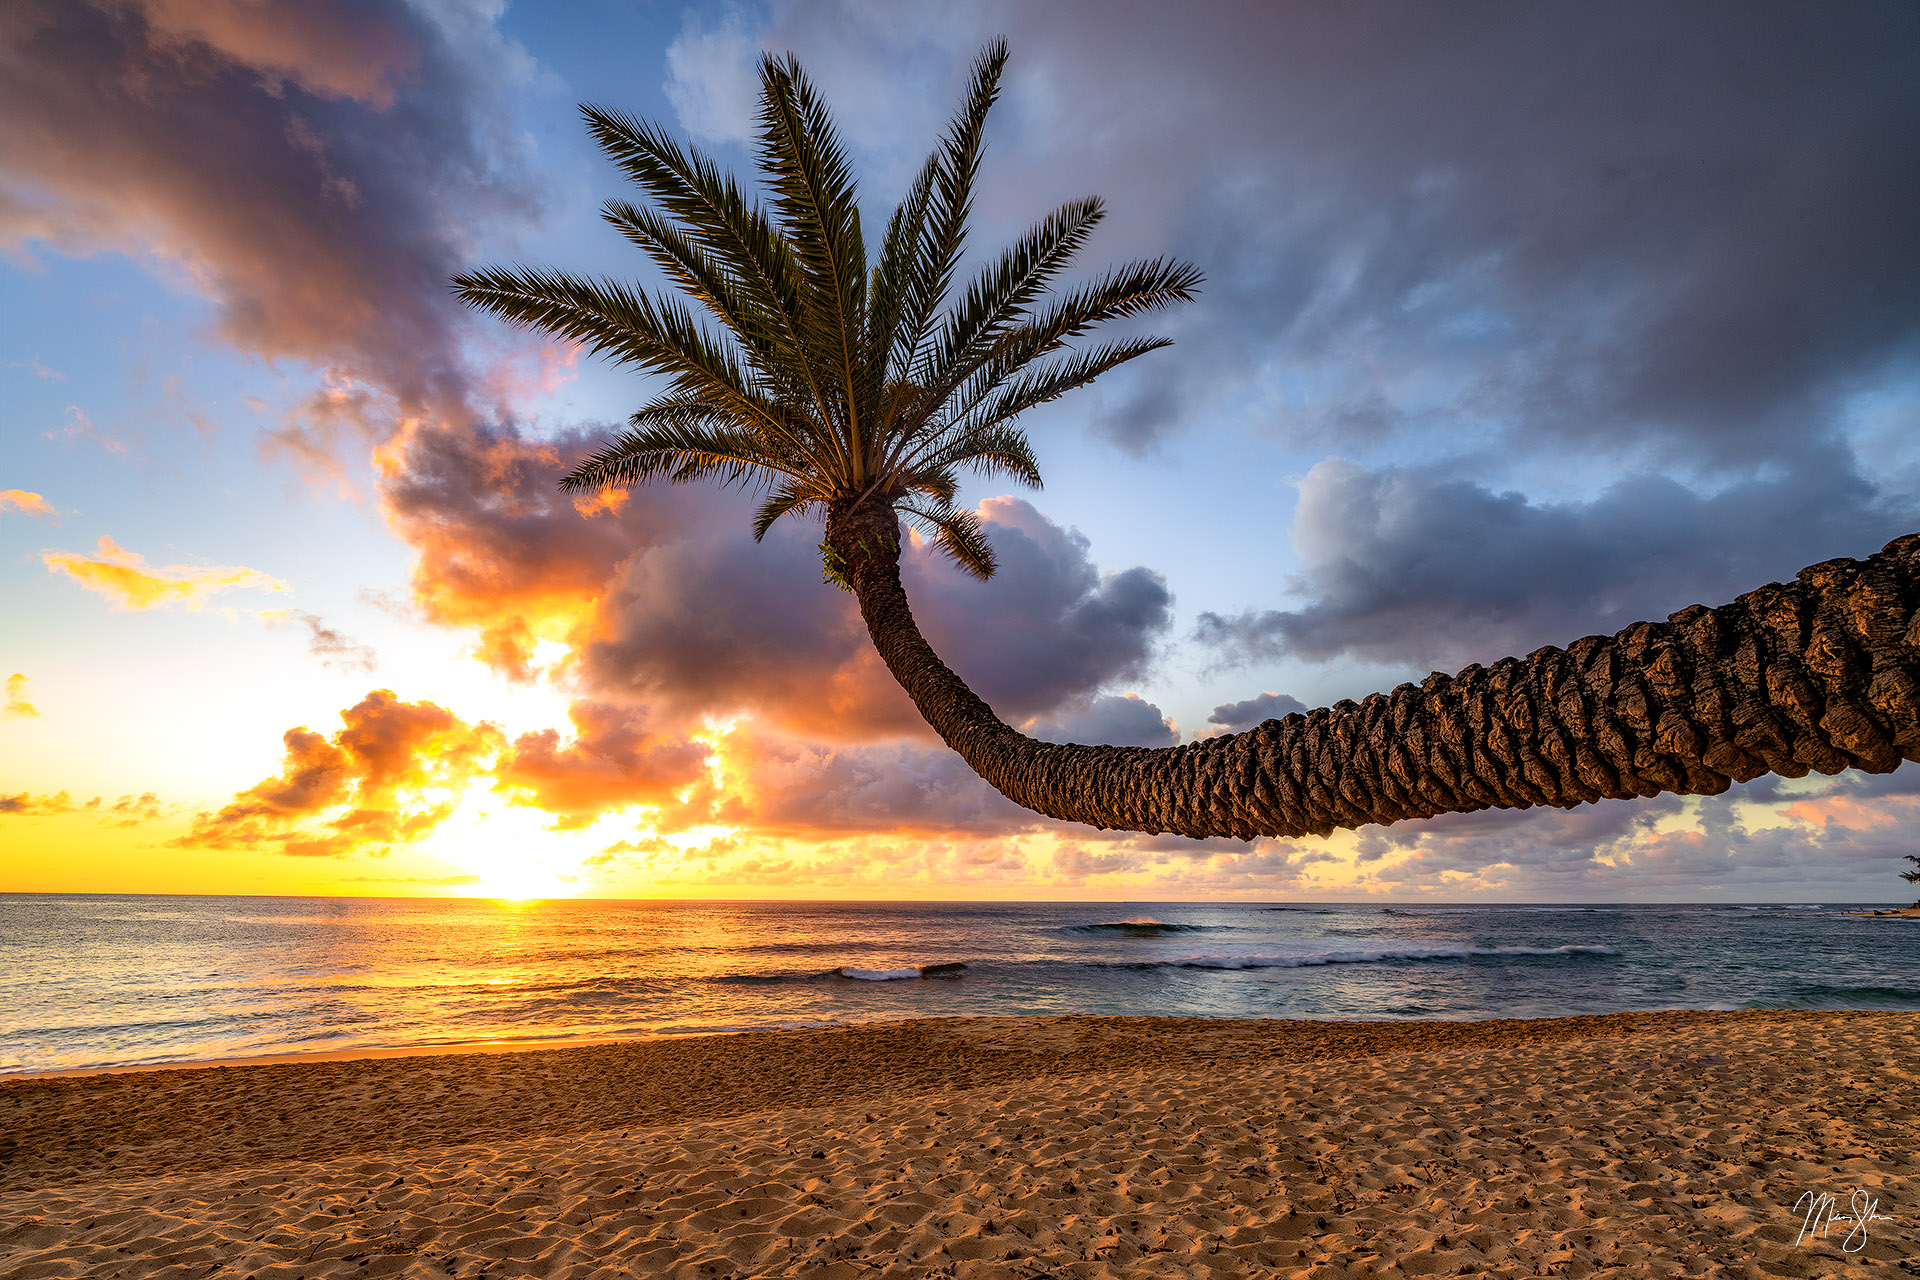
column 794, row 365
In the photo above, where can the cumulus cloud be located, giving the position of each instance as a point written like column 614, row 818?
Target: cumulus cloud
column 389, row 775
column 1843, row 833
column 1235, row 716
column 18, row 705
column 1121, row 720
column 1406, row 567
column 25, row 502
column 124, row 577
column 615, row 760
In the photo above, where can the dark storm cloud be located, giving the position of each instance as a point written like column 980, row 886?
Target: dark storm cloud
column 317, row 167
column 1682, row 226
column 1687, row 226
column 1236, row 716
column 1407, row 568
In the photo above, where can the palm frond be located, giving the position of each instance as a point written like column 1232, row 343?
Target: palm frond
column 1132, row 290
column 795, row 365
column 995, row 449
column 889, row 293
column 1051, row 381
column 815, row 199
column 717, row 217
column 608, row 318
column 678, row 451
column 958, row 535
column 954, row 166
column 1000, row 295
column 794, row 495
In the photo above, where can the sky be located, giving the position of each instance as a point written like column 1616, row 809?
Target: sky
column 1521, row 323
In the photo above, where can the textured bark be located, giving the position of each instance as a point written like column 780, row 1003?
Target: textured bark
column 1820, row 674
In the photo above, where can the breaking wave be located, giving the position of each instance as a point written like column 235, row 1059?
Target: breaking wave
column 1137, row 927
column 948, row 969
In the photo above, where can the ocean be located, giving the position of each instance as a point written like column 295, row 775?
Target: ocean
column 109, row 980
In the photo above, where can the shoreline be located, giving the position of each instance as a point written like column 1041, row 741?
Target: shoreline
column 320, row 1103
column 557, row 1044
column 1666, row 1144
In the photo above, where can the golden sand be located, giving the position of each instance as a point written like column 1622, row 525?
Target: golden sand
column 1631, row 1145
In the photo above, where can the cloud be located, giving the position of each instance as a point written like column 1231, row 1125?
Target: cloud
column 31, row 806
column 1840, row 837
column 332, row 648
column 123, row 577
column 25, row 502
column 389, row 775
column 1651, row 231
column 334, row 50
column 1235, row 716
column 782, row 786
column 17, row 704
column 668, row 601
column 316, row 167
column 1406, row 567
column 127, row 811
column 1121, row 720
column 613, row 762
column 712, row 80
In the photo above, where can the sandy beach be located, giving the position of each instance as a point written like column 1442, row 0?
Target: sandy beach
column 1635, row 1144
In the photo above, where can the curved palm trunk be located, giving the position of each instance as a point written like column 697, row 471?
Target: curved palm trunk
column 1821, row 674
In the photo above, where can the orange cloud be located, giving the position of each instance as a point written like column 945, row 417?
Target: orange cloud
column 26, row 806
column 17, row 704
column 325, row 48
column 612, row 763
column 390, row 775
column 1852, row 813
column 127, row 811
column 26, row 502
column 123, row 577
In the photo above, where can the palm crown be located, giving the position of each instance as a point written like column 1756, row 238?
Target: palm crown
column 818, row 377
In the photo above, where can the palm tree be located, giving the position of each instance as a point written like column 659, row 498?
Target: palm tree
column 853, row 390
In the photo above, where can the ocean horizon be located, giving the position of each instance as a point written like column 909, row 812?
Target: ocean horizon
column 105, row 980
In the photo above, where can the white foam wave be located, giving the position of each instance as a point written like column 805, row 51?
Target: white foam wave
column 943, row 970
column 1377, row 955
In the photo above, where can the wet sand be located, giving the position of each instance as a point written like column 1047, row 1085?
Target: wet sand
column 1639, row 1144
